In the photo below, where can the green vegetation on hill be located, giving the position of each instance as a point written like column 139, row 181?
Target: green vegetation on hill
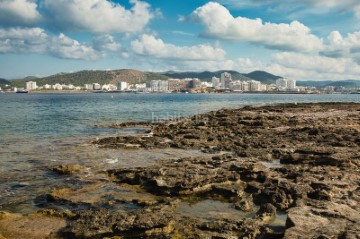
column 88, row 77
column 4, row 82
column 346, row 83
column 133, row 77
column 263, row 76
column 205, row 75
column 321, row 84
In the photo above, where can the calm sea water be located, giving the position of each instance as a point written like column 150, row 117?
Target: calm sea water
column 41, row 130
column 63, row 115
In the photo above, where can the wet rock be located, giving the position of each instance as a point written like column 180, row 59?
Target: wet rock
column 184, row 176
column 327, row 220
column 267, row 212
column 102, row 193
column 316, row 181
column 245, row 204
column 68, row 169
column 33, row 226
column 153, row 222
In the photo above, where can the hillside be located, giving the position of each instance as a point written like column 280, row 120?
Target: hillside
column 314, row 83
column 87, row 77
column 4, row 82
column 263, row 76
column 134, row 76
column 344, row 83
column 205, row 75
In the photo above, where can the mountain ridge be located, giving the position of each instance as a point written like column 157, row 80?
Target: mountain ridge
column 91, row 76
column 4, row 82
column 321, row 84
column 135, row 76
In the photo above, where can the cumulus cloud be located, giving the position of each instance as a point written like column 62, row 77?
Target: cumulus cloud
column 304, row 66
column 23, row 40
column 99, row 16
column 317, row 3
column 18, row 12
column 343, row 47
column 105, row 43
column 307, row 5
column 219, row 23
column 36, row 40
column 65, row 47
column 149, row 45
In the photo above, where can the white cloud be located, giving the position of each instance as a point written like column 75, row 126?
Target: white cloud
column 219, row 23
column 307, row 5
column 18, row 12
column 65, row 47
column 100, row 16
column 23, row 40
column 105, row 43
column 36, row 40
column 303, row 66
column 346, row 47
column 149, row 45
column 246, row 65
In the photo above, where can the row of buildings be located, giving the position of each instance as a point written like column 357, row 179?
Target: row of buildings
column 224, row 83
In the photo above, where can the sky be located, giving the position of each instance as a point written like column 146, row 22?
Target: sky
column 298, row 39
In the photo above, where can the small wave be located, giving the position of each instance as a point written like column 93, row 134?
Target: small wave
column 112, row 161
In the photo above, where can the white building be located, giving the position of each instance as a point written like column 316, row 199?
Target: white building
column 122, row 86
column 47, row 87
column 281, row 83
column 30, row 85
column 285, row 84
column 68, row 87
column 329, row 88
column 140, row 87
column 291, row 84
column 245, row 86
column 236, row 86
column 225, row 80
column 96, row 86
column 159, row 86
column 88, row 86
column 57, row 86
column 206, row 84
column 254, row 85
column 215, row 82
column 108, row 87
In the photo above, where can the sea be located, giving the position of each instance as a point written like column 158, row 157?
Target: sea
column 38, row 131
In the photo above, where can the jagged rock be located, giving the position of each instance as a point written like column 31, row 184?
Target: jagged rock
column 156, row 222
column 328, row 220
column 316, row 181
column 267, row 212
column 68, row 169
column 245, row 204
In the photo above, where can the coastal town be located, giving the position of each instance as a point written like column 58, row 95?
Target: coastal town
column 224, row 84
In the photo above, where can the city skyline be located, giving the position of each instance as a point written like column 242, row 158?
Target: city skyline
column 303, row 40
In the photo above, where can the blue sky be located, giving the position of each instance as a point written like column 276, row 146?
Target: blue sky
column 300, row 39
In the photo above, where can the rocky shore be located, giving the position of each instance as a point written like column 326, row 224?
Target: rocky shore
column 275, row 171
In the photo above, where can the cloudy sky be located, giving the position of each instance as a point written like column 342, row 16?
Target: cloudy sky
column 300, row 39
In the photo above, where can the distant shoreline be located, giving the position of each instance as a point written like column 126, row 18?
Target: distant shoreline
column 117, row 92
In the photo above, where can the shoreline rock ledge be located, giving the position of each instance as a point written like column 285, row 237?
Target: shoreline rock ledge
column 276, row 171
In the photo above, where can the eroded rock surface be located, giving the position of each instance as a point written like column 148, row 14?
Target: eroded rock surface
column 301, row 160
